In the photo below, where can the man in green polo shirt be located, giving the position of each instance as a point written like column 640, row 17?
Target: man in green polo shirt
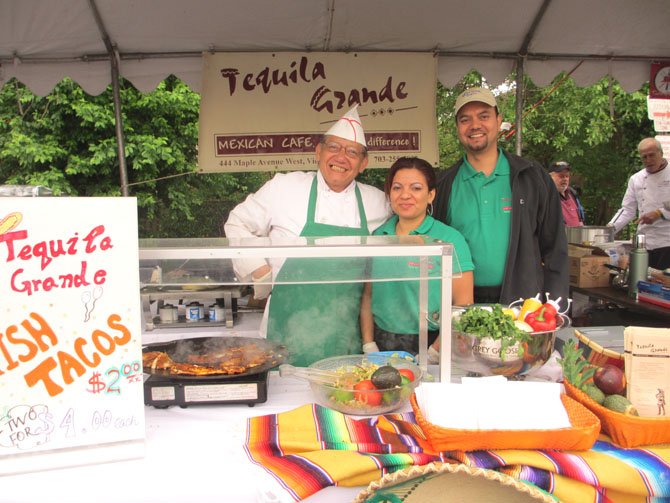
column 506, row 207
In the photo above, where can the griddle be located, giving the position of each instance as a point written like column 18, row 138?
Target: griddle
column 179, row 350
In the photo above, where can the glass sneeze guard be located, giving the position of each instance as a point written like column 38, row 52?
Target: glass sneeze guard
column 226, row 262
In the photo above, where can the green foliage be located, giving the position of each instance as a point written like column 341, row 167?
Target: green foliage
column 596, row 129
column 66, row 141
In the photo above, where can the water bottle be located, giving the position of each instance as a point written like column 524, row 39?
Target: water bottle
column 638, row 266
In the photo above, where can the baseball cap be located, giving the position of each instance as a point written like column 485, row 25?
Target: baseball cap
column 558, row 166
column 349, row 127
column 475, row 94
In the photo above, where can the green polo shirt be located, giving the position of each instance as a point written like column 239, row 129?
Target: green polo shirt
column 395, row 304
column 480, row 207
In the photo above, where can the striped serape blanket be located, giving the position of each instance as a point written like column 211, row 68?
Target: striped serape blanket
column 312, row 447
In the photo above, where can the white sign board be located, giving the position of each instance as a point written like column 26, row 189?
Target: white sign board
column 268, row 111
column 659, row 111
column 71, row 387
column 664, row 140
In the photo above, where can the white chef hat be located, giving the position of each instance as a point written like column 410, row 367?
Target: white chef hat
column 349, row 127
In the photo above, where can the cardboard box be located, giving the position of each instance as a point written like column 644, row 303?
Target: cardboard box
column 575, row 250
column 587, row 266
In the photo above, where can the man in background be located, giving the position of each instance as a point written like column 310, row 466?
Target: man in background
column 573, row 211
column 648, row 195
column 507, row 209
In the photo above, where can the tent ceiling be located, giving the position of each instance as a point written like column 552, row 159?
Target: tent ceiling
column 42, row 41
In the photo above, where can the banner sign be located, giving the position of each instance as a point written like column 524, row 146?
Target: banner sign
column 267, row 111
column 659, row 112
column 70, row 337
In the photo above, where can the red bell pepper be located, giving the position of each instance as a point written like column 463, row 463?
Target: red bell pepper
column 550, row 310
column 542, row 320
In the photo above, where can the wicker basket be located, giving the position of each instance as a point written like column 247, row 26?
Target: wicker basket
column 625, row 430
column 579, row 437
column 450, row 482
column 597, row 355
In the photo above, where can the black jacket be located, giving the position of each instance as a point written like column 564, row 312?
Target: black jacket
column 537, row 257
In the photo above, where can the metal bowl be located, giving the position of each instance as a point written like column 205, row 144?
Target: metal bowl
column 482, row 355
column 344, row 398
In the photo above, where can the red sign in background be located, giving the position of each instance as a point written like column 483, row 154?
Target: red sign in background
column 659, row 80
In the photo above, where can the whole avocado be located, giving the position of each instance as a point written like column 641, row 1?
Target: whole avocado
column 386, row 377
column 594, row 393
column 619, row 403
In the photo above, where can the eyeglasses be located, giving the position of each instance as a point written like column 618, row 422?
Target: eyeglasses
column 335, row 148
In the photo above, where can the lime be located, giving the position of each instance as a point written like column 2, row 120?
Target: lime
column 391, row 396
column 342, row 395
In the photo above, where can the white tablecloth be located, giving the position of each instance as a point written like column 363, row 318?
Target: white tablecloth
column 192, row 455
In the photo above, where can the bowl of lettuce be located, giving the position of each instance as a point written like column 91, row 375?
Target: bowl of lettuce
column 488, row 341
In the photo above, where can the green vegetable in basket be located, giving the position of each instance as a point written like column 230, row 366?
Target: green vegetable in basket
column 594, row 393
column 620, row 404
column 576, row 370
column 492, row 323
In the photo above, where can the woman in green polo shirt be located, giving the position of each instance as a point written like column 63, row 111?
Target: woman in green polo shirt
column 389, row 309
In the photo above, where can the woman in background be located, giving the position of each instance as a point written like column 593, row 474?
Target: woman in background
column 389, row 309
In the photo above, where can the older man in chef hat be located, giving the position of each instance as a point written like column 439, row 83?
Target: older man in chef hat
column 314, row 321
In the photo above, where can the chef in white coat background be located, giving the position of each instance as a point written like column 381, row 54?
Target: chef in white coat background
column 314, row 321
column 648, row 197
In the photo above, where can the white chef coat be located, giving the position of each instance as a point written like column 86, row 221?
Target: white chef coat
column 647, row 192
column 279, row 210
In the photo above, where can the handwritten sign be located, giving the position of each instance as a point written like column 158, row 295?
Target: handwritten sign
column 70, row 330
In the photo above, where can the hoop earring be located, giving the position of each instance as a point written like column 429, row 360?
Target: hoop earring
column 429, row 209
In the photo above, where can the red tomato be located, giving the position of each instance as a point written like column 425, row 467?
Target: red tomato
column 365, row 393
column 407, row 373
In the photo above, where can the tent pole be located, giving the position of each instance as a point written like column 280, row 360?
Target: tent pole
column 118, row 119
column 116, row 96
column 518, row 119
column 520, row 67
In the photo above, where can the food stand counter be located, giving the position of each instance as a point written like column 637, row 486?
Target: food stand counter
column 191, row 454
column 198, row 454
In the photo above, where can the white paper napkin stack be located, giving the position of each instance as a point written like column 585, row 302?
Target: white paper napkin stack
column 493, row 403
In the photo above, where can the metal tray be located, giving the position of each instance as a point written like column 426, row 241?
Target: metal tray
column 178, row 350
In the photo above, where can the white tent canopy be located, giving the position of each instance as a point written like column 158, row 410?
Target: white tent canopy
column 43, row 41
column 95, row 42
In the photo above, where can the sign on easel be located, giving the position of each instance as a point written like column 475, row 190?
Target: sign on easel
column 71, row 389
